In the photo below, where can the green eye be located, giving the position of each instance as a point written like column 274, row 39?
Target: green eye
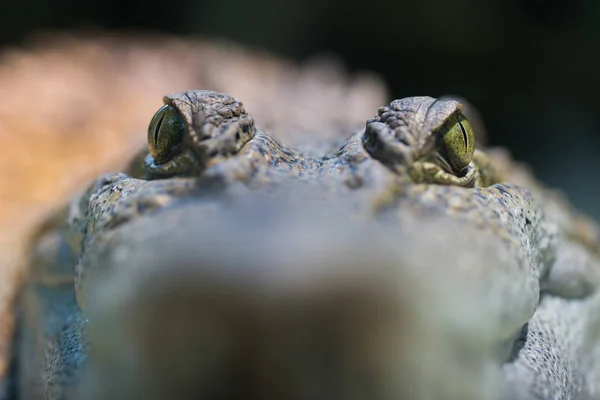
column 456, row 143
column 165, row 133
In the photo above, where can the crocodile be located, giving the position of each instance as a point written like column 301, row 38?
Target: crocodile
column 402, row 260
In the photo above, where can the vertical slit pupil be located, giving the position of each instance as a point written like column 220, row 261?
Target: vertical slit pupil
column 157, row 129
column 464, row 132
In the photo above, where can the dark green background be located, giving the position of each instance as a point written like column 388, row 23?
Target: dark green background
column 531, row 67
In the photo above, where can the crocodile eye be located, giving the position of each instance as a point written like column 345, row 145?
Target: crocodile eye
column 455, row 143
column 165, row 133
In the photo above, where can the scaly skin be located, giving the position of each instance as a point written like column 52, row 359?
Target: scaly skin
column 449, row 273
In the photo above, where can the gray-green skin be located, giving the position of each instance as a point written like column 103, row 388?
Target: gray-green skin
column 239, row 267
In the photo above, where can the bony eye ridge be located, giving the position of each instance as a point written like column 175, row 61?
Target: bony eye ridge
column 455, row 144
column 165, row 133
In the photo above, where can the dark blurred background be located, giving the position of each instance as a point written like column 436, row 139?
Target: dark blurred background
column 531, row 67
